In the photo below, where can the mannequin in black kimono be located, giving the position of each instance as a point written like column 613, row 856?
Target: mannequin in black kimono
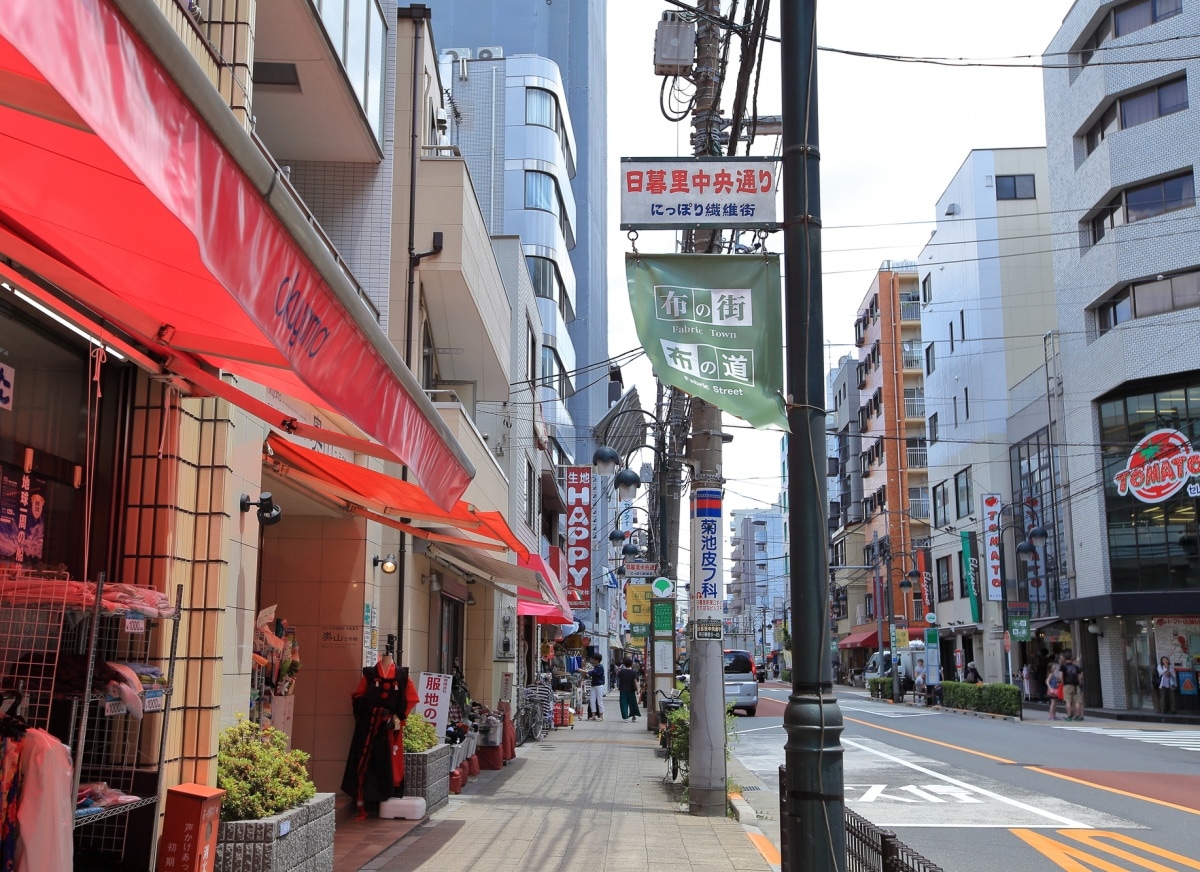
column 384, row 694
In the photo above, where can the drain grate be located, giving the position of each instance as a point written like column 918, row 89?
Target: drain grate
column 750, row 787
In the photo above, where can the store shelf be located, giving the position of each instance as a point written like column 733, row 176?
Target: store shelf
column 112, row 811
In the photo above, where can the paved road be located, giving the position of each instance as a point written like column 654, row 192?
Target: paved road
column 992, row 795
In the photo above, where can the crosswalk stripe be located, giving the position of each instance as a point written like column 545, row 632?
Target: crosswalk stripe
column 1187, row 740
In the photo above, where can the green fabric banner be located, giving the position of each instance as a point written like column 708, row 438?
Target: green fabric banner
column 970, row 568
column 713, row 327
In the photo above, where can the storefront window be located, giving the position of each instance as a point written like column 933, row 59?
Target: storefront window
column 1152, row 524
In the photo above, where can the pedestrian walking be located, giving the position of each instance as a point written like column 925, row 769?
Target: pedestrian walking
column 612, row 676
column 971, row 675
column 1041, row 671
column 1072, row 683
column 919, row 685
column 1054, row 688
column 627, row 681
column 1168, row 681
column 595, row 675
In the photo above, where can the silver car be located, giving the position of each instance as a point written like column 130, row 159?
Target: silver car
column 741, row 681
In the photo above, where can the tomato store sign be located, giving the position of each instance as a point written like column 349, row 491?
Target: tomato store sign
column 1158, row 467
column 579, row 536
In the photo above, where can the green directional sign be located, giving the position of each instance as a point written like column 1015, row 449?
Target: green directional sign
column 1018, row 627
column 664, row 618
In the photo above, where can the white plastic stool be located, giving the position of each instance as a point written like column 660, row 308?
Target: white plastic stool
column 409, row 808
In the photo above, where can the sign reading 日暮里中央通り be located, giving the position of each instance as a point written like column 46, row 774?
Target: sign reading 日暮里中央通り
column 695, row 192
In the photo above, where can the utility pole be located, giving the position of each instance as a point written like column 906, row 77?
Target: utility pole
column 812, row 788
column 706, row 744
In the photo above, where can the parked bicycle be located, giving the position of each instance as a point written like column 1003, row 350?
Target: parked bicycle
column 672, row 735
column 534, row 712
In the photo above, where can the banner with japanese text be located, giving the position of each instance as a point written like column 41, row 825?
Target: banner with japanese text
column 708, row 584
column 690, row 192
column 712, row 327
column 433, row 692
column 579, row 536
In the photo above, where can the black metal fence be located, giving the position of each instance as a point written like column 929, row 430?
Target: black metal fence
column 871, row 849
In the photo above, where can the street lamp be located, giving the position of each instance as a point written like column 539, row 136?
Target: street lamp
column 1027, row 552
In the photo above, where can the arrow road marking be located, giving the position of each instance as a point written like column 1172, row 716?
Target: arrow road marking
column 1063, row 821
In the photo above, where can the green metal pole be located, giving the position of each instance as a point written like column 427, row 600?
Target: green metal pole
column 812, row 793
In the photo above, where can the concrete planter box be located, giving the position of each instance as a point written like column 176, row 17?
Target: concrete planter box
column 298, row 840
column 427, row 774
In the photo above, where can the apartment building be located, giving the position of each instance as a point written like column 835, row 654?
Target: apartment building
column 759, row 582
column 889, row 470
column 1121, row 133
column 987, row 302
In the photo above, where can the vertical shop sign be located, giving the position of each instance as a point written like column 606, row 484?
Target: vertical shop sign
column 579, row 536
column 925, row 567
column 992, row 546
column 707, row 584
column 970, row 552
column 8, row 376
column 434, row 702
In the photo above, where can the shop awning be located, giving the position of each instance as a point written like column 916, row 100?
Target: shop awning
column 868, row 637
column 550, row 582
column 388, row 500
column 133, row 192
column 516, row 580
column 545, row 613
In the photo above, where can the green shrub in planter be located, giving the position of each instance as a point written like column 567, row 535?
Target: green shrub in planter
column 880, row 688
column 419, row 734
column 1000, row 699
column 785, row 675
column 259, row 775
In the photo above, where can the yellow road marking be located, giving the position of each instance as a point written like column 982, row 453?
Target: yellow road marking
column 769, row 852
column 1071, row 858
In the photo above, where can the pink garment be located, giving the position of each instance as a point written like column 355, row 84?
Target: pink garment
column 45, row 812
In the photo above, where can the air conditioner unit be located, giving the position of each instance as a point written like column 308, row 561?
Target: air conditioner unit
column 455, row 54
column 490, row 52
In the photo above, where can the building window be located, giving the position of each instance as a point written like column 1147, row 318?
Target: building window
column 1145, row 201
column 927, row 289
column 1137, row 108
column 954, row 402
column 1143, row 299
column 930, row 359
column 1015, row 187
column 530, row 495
column 966, row 404
column 1128, row 18
column 531, row 353
column 541, row 192
column 945, row 580
column 950, row 327
column 962, row 493
column 548, row 283
column 962, row 325
column 940, row 502
column 541, row 108
column 932, row 429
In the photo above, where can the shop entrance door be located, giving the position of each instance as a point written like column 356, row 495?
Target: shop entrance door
column 450, row 648
column 1138, row 672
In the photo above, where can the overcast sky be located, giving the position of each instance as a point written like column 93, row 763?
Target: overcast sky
column 892, row 135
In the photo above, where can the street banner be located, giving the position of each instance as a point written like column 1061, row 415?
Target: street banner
column 924, row 557
column 712, row 327
column 992, row 546
column 674, row 193
column 707, row 581
column 433, row 691
column 579, row 536
column 970, row 568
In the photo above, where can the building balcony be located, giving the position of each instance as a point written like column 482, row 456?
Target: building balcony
column 306, row 106
column 919, row 508
column 913, row 360
column 464, row 293
column 489, row 488
column 914, row 407
column 918, row 458
column 910, row 311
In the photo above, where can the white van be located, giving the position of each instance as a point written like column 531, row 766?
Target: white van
column 908, row 662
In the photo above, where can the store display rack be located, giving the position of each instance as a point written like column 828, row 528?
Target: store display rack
column 53, row 632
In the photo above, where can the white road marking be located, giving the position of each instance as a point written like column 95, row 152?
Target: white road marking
column 1062, row 821
column 1187, row 740
column 891, row 712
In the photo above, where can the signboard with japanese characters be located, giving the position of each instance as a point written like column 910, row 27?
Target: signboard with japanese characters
column 23, row 511
column 640, row 569
column 638, row 608
column 433, row 699
column 707, row 592
column 687, row 192
column 712, row 327
column 579, row 536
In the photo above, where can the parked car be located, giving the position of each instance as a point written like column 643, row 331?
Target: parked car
column 741, row 681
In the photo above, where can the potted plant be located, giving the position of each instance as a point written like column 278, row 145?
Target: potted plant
column 272, row 818
column 426, row 763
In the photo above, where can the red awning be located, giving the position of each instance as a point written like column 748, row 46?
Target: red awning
column 866, row 637
column 388, row 500
column 544, row 612
column 553, row 587
column 152, row 212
